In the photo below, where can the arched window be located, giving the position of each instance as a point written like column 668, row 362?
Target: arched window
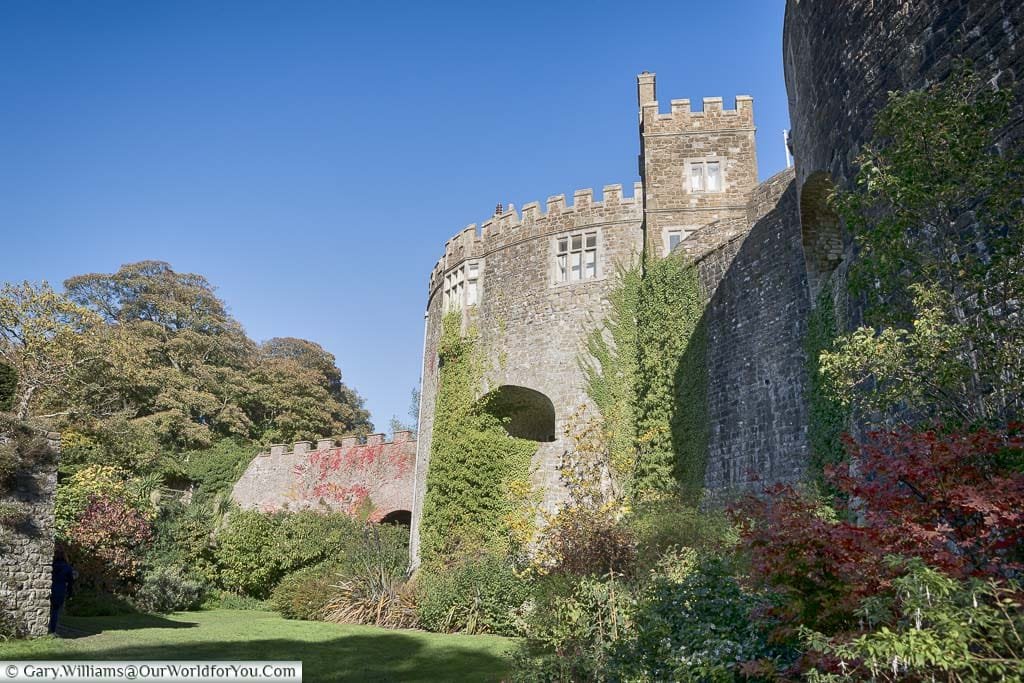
column 527, row 414
column 820, row 230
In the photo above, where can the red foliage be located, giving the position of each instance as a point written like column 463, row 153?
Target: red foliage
column 348, row 478
column 947, row 498
column 107, row 542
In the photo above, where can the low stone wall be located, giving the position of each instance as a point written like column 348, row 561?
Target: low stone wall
column 372, row 477
column 26, row 550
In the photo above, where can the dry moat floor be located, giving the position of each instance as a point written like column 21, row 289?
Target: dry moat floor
column 328, row 652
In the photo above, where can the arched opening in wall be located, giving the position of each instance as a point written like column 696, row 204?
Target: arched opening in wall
column 526, row 413
column 401, row 517
column 820, row 230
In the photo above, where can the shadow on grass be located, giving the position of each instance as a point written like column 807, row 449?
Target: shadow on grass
column 76, row 627
column 377, row 657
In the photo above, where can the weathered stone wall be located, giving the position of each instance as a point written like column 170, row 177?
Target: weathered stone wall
column 531, row 328
column 843, row 57
column 756, row 321
column 26, row 551
column 374, row 477
column 671, row 143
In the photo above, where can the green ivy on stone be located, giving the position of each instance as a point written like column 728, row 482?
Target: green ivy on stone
column 474, row 462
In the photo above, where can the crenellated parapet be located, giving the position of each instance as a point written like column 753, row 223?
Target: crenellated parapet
column 536, row 220
column 683, row 119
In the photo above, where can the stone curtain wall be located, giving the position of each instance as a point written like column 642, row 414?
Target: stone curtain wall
column 756, row 320
column 842, row 57
column 375, row 477
column 26, row 555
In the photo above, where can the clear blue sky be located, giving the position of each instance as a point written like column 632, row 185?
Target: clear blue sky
column 311, row 158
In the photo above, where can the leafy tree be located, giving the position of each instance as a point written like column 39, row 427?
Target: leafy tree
column 48, row 341
column 938, row 225
column 299, row 394
column 8, row 387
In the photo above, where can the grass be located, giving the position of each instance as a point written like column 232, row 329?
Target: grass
column 328, row 652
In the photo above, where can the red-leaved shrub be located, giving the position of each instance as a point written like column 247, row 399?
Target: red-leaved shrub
column 951, row 499
column 107, row 542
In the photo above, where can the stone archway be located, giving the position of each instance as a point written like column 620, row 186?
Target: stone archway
column 820, row 231
column 526, row 413
column 399, row 517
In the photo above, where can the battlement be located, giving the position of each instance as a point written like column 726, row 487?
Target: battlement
column 300, row 448
column 682, row 117
column 537, row 220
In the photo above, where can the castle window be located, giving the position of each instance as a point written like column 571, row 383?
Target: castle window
column 462, row 287
column 576, row 257
column 673, row 236
column 472, row 284
column 705, row 176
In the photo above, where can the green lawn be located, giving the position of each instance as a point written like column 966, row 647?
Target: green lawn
column 328, row 652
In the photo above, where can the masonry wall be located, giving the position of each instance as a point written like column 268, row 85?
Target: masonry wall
column 375, row 477
column 26, row 554
column 756, row 321
column 671, row 142
column 531, row 328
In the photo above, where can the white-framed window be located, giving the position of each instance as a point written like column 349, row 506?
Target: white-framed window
column 705, row 176
column 673, row 236
column 472, row 283
column 576, row 257
column 462, row 287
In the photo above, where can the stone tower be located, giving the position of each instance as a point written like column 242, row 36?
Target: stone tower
column 696, row 167
column 535, row 282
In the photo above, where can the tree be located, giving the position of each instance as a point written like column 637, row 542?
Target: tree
column 938, row 225
column 300, row 393
column 48, row 341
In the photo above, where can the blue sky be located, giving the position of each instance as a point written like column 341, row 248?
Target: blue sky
column 311, row 158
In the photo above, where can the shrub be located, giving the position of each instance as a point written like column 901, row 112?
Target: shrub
column 90, row 602
column 941, row 497
column 244, row 553
column 698, row 628
column 929, row 626
column 372, row 587
column 478, row 595
column 229, row 600
column 169, row 589
column 105, row 543
column 661, row 525
column 586, row 540
column 571, row 625
column 310, row 537
column 305, row 593
column 184, row 537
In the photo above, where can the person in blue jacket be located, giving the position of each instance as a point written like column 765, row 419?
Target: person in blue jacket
column 62, row 586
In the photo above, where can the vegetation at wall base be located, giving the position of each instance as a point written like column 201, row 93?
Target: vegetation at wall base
column 827, row 418
column 474, row 463
column 671, row 382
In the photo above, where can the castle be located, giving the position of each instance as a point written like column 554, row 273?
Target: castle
column 534, row 282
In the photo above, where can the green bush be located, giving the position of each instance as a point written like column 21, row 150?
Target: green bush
column 699, row 628
column 310, row 537
column 184, row 537
column 228, row 600
column 216, row 469
column 96, row 603
column 664, row 524
column 481, row 595
column 571, row 625
column 304, row 594
column 8, row 387
column 244, row 553
column 169, row 589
